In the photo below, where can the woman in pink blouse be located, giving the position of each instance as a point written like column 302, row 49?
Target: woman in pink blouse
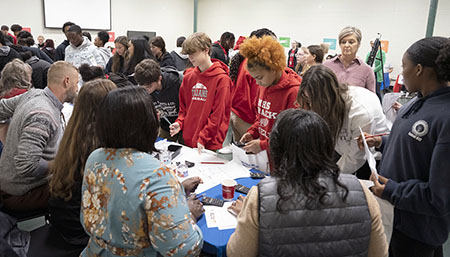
column 349, row 68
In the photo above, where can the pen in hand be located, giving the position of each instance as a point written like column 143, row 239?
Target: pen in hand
column 377, row 135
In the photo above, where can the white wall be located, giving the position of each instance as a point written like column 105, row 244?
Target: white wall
column 168, row 18
column 402, row 22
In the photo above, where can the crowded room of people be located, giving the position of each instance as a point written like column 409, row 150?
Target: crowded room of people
column 225, row 128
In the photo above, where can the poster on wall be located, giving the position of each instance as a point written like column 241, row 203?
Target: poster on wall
column 112, row 36
column 331, row 41
column 385, row 45
column 285, row 41
column 27, row 29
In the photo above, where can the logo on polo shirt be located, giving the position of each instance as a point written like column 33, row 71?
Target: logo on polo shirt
column 419, row 130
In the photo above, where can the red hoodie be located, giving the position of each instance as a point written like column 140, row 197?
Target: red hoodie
column 271, row 101
column 244, row 95
column 205, row 106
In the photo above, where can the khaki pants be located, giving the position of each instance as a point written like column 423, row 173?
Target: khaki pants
column 239, row 126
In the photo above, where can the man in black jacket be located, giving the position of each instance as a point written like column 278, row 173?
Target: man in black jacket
column 61, row 49
column 164, row 86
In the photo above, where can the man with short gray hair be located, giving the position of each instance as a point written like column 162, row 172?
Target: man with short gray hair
column 33, row 137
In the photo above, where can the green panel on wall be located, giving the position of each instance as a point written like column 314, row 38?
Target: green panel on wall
column 285, row 41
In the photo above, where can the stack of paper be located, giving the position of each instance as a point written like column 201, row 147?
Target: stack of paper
column 369, row 156
column 214, row 174
column 219, row 217
column 258, row 161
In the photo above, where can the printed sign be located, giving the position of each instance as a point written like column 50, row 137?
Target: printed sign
column 331, row 41
column 112, row 36
column 285, row 41
column 385, row 45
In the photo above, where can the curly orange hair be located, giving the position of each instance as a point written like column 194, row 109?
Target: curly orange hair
column 265, row 52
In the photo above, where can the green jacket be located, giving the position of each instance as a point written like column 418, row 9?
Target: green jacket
column 378, row 67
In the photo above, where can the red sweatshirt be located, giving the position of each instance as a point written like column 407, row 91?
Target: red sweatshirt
column 271, row 101
column 205, row 106
column 244, row 95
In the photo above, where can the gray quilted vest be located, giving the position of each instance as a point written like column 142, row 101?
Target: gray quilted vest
column 338, row 229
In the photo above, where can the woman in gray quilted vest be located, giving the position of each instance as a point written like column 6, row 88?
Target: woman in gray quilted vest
column 306, row 208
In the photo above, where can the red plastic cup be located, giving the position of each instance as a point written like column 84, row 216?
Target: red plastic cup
column 228, row 186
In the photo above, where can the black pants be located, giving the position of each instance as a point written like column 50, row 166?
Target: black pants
column 404, row 246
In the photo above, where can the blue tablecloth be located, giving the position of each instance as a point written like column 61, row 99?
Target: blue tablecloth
column 215, row 240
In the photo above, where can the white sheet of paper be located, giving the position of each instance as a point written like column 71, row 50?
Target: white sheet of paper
column 388, row 100
column 220, row 217
column 211, row 216
column 258, row 161
column 214, row 174
column 369, row 156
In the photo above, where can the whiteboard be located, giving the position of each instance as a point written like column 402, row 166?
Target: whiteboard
column 87, row 14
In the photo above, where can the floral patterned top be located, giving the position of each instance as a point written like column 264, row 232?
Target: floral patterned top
column 134, row 206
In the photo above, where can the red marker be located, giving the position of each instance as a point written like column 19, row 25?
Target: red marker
column 377, row 135
column 212, row 163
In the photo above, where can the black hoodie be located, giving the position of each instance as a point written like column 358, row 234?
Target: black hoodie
column 166, row 101
column 219, row 53
column 416, row 160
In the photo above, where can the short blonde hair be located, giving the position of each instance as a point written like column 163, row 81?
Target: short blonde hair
column 350, row 30
column 15, row 74
column 57, row 71
column 198, row 41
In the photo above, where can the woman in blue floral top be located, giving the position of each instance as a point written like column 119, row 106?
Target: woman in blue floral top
column 132, row 204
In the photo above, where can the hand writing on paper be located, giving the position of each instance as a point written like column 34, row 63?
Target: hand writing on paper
column 174, row 128
column 195, row 207
column 191, row 184
column 200, row 147
column 253, row 146
column 247, row 137
column 378, row 187
column 236, row 206
column 371, row 141
column 396, row 106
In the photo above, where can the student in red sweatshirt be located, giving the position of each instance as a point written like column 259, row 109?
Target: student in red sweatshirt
column 205, row 104
column 278, row 88
column 244, row 92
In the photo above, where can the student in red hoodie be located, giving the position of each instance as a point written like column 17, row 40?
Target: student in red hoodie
column 205, row 92
column 244, row 92
column 278, row 88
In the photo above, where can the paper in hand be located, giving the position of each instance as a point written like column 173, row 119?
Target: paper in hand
column 369, row 156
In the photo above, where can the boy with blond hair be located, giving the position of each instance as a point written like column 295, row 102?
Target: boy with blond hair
column 205, row 105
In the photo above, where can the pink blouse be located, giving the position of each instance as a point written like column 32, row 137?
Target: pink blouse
column 358, row 73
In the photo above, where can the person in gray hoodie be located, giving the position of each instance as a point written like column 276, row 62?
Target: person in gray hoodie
column 81, row 50
column 100, row 41
column 181, row 60
column 7, row 54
